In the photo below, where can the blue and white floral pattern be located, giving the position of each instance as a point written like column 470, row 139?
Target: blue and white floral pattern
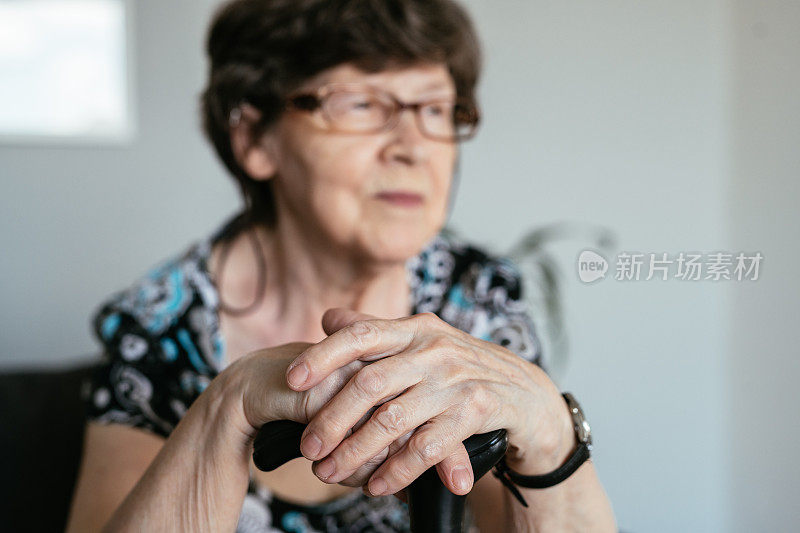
column 162, row 347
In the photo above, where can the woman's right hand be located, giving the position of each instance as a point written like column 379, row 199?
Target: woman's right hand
column 259, row 380
column 198, row 478
column 201, row 473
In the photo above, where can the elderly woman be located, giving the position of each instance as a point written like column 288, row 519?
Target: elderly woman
column 333, row 299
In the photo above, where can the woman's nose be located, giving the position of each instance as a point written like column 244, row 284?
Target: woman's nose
column 407, row 143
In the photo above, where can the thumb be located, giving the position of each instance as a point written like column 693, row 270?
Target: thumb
column 336, row 318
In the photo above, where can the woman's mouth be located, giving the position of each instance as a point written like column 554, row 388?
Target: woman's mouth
column 401, row 198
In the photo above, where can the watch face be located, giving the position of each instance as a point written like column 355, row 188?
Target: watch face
column 582, row 429
column 585, row 432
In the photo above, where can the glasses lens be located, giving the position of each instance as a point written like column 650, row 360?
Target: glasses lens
column 437, row 119
column 357, row 111
column 449, row 120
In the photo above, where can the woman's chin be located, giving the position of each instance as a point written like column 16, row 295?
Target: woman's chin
column 399, row 246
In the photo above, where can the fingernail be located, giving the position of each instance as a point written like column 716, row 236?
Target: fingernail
column 378, row 486
column 326, row 468
column 298, row 375
column 311, row 445
column 461, row 478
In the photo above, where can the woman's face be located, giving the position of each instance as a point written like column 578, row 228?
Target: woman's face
column 328, row 182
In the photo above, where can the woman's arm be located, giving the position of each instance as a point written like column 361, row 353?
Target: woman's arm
column 133, row 480
column 195, row 480
column 198, row 480
column 115, row 457
column 578, row 503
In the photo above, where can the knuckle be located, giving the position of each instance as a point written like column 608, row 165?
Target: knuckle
column 426, row 447
column 451, row 371
column 400, row 472
column 480, row 398
column 326, row 427
column 428, row 320
column 441, row 345
column 368, row 382
column 446, row 351
column 364, row 333
column 350, row 455
column 391, row 418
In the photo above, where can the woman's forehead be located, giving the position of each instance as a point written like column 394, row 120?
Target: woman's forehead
column 407, row 82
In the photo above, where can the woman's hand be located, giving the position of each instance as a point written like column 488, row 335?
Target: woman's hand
column 258, row 380
column 431, row 386
column 199, row 478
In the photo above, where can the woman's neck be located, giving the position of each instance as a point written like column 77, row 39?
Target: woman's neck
column 303, row 279
column 311, row 277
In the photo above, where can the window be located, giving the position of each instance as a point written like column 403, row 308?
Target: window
column 64, row 71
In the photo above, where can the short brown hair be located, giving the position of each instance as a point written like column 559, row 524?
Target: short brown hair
column 261, row 50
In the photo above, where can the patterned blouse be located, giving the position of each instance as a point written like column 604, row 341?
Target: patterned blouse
column 162, row 346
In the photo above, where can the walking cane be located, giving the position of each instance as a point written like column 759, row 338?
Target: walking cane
column 431, row 506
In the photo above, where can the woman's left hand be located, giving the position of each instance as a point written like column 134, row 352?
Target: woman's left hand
column 431, row 387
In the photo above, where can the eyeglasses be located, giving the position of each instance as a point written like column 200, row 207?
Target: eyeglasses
column 360, row 109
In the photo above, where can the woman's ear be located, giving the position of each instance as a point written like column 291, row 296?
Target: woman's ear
column 253, row 155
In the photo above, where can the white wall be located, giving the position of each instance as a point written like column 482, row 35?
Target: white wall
column 614, row 113
column 78, row 223
column 763, row 215
column 673, row 124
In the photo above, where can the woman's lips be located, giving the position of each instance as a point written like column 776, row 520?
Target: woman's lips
column 405, row 199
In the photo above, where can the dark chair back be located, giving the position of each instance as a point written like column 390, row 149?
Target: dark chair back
column 41, row 438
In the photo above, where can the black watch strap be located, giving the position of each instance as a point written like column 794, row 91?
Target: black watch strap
column 509, row 478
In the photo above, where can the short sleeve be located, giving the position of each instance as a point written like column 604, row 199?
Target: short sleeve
column 486, row 300
column 136, row 384
column 510, row 323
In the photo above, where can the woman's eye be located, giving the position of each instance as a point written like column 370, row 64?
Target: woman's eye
column 362, row 105
column 437, row 110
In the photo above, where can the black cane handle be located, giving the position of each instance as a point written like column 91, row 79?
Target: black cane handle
column 431, row 506
column 277, row 443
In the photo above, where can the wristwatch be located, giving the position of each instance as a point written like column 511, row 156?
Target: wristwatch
column 583, row 433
